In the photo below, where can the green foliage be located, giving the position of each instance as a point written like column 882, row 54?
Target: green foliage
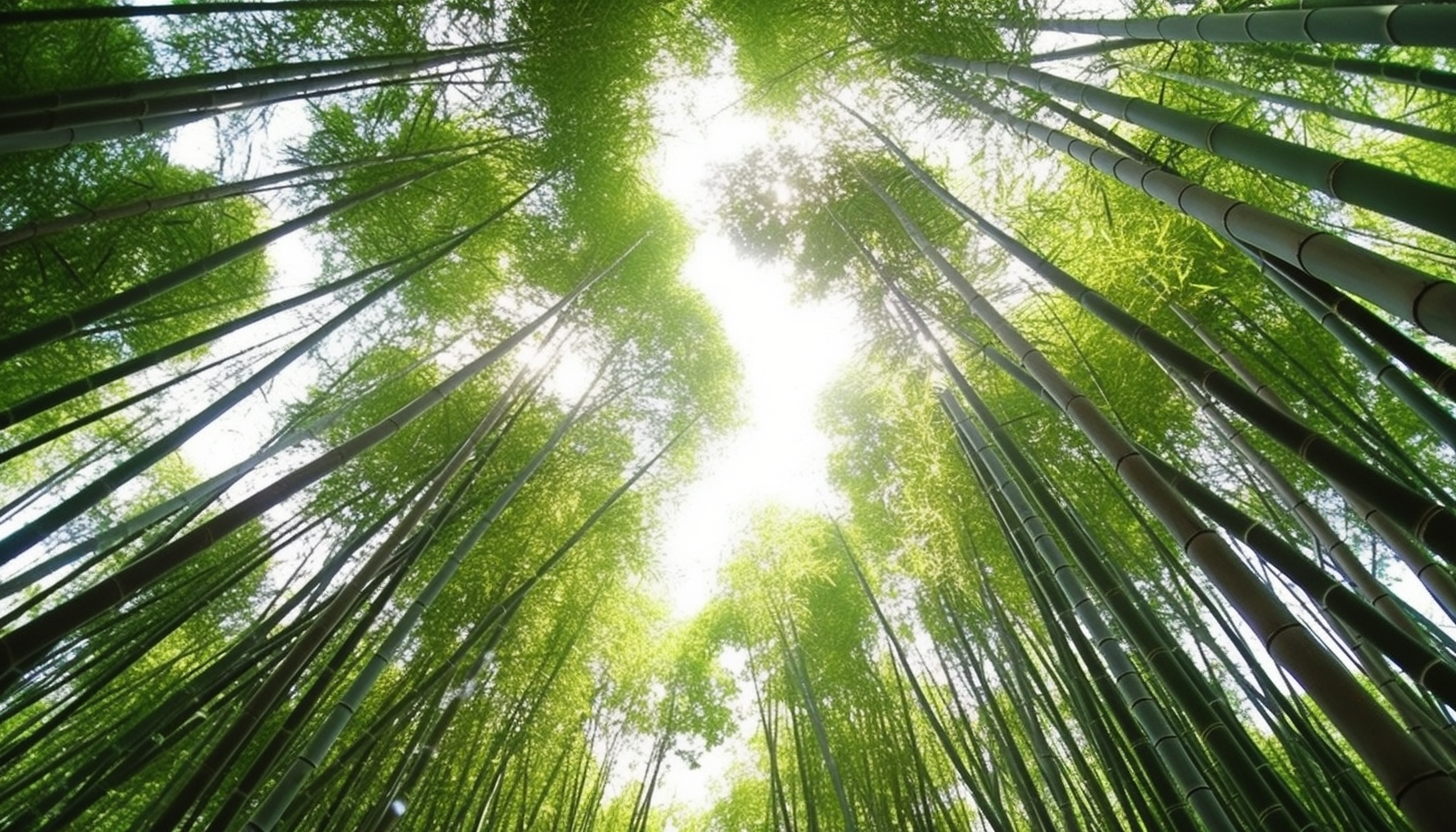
column 915, row 663
column 789, row 53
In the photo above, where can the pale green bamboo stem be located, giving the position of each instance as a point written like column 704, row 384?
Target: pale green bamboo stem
column 1396, row 25
column 1420, row 202
column 1422, row 299
column 318, row 747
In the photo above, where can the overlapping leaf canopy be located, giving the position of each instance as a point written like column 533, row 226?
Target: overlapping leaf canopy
column 366, row 541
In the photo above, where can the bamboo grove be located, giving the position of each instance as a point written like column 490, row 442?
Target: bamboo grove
column 1144, row 463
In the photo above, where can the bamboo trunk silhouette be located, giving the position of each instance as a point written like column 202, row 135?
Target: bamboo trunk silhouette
column 1420, row 202
column 72, row 507
column 73, row 13
column 26, row 645
column 70, row 324
column 1426, row 301
column 1405, row 25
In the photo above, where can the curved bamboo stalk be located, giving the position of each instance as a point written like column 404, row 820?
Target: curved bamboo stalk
column 1354, row 419
column 1426, row 301
column 1404, row 647
column 1412, row 24
column 1435, row 372
column 1417, row 201
column 1393, row 378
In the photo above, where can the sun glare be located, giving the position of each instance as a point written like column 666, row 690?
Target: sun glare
column 789, row 350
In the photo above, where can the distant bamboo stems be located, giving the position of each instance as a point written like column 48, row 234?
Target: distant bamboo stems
column 32, row 107
column 56, row 396
column 288, row 787
column 324, row 737
column 73, row 322
column 1143, row 705
column 1417, row 201
column 89, row 495
column 410, row 531
column 23, row 647
column 1425, row 792
column 1061, row 574
column 1396, row 25
column 163, row 202
column 993, row 815
column 1415, row 296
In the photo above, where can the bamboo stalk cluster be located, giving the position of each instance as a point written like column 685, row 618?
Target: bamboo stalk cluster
column 1103, row 564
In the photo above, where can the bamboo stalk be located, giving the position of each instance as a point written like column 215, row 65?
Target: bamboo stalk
column 1406, row 24
column 1420, row 202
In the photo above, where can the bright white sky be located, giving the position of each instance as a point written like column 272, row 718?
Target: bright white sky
column 789, row 351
